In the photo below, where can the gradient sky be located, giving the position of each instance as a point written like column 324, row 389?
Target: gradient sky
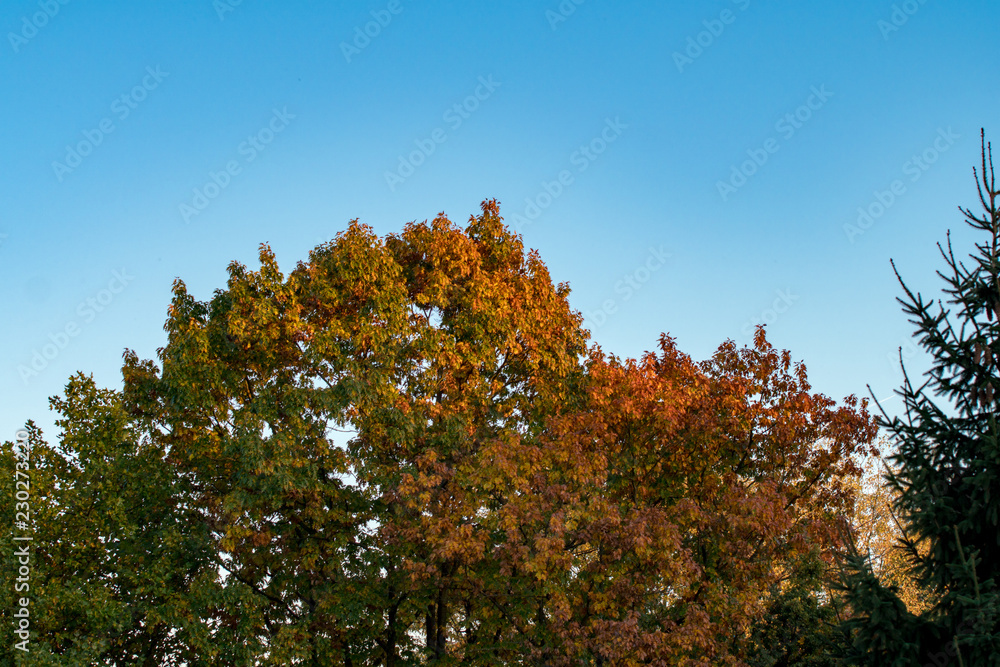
column 162, row 95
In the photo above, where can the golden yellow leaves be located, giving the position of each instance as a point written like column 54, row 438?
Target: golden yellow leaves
column 504, row 478
column 878, row 533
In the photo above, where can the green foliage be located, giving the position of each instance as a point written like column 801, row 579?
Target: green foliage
column 947, row 470
column 801, row 624
column 117, row 551
column 404, row 452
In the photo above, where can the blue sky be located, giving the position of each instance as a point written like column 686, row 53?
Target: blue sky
column 686, row 169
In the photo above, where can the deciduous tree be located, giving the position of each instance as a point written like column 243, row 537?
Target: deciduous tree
column 405, row 452
column 120, row 562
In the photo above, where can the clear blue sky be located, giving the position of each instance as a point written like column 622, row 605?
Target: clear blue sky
column 114, row 114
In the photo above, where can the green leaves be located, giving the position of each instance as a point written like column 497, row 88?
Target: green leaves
column 404, row 452
column 947, row 468
column 116, row 549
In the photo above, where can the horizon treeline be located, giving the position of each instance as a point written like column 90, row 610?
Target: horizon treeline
column 409, row 451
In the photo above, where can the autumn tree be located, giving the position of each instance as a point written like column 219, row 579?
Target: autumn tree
column 659, row 522
column 118, row 561
column 946, row 469
column 404, row 451
column 430, row 345
column 879, row 534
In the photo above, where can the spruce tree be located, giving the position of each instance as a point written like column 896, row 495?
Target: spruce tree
column 947, row 466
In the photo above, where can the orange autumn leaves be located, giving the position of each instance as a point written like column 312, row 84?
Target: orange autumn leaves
column 510, row 494
column 677, row 496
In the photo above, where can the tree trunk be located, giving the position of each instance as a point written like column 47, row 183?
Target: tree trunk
column 437, row 621
column 442, row 624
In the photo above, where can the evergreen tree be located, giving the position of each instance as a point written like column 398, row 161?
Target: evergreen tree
column 945, row 470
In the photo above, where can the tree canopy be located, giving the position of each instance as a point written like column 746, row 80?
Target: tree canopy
column 408, row 451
